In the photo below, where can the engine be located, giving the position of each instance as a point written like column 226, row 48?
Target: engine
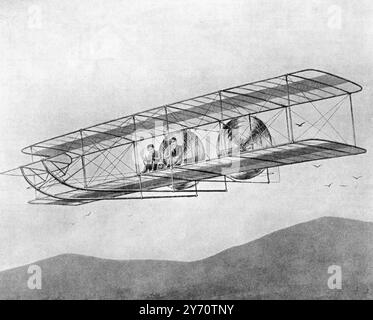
column 240, row 135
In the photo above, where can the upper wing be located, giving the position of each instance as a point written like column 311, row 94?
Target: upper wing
column 278, row 92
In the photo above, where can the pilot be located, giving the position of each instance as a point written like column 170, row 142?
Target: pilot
column 150, row 159
column 173, row 155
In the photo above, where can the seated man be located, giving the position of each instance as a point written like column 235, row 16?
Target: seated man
column 173, row 155
column 150, row 159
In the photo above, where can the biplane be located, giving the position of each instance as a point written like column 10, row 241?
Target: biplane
column 241, row 134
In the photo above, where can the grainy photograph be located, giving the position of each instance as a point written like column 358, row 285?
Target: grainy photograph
column 186, row 150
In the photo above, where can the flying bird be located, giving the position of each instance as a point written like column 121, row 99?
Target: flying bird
column 328, row 185
column 317, row 165
column 89, row 213
column 300, row 124
column 357, row 178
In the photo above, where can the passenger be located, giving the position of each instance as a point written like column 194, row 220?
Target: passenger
column 150, row 159
column 173, row 154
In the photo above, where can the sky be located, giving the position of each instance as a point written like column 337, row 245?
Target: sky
column 69, row 64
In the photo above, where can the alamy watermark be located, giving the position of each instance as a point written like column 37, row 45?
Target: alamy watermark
column 34, row 281
column 335, row 280
column 35, row 17
column 334, row 17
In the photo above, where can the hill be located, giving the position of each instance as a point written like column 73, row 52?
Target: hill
column 291, row 263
